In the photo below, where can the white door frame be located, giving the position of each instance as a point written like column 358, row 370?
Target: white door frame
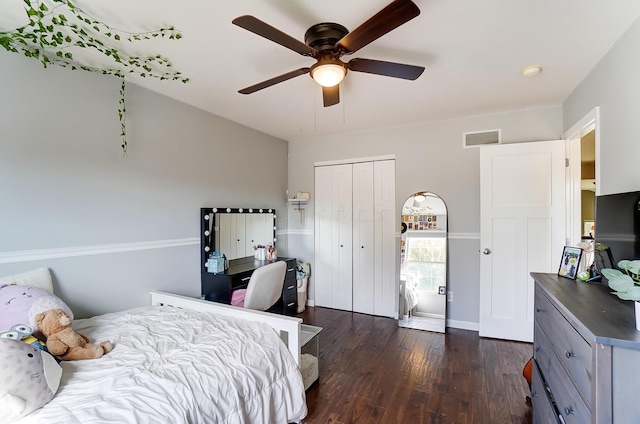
column 588, row 123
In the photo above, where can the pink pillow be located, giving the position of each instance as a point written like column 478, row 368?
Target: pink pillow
column 237, row 297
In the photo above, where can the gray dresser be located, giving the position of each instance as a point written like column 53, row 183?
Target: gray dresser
column 587, row 354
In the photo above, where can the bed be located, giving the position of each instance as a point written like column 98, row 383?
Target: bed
column 183, row 360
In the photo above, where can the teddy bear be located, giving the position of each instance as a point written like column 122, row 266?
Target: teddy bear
column 65, row 342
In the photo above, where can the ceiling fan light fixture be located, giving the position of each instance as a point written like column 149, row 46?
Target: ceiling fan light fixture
column 328, row 74
column 419, row 197
column 531, row 71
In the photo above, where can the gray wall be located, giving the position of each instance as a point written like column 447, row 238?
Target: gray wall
column 613, row 85
column 65, row 183
column 429, row 157
column 67, row 190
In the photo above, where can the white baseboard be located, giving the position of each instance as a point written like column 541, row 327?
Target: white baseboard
column 463, row 325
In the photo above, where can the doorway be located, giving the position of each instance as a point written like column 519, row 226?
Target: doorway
column 423, row 263
column 587, row 197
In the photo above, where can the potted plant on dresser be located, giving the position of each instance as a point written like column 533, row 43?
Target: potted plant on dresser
column 626, row 284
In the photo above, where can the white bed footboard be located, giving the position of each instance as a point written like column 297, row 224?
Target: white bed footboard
column 287, row 327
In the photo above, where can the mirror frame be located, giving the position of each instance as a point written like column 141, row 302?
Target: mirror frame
column 207, row 240
column 418, row 322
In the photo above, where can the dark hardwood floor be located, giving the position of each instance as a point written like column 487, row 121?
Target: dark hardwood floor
column 372, row 371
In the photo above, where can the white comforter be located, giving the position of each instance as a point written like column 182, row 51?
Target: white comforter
column 172, row 365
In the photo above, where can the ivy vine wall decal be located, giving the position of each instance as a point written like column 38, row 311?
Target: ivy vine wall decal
column 58, row 32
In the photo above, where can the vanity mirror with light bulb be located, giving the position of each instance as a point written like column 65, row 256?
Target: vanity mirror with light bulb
column 237, row 233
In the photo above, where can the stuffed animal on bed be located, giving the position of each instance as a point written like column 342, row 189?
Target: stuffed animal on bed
column 20, row 304
column 63, row 341
column 23, row 333
column 29, row 376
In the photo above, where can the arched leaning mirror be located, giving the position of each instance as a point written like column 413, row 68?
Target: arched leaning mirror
column 423, row 263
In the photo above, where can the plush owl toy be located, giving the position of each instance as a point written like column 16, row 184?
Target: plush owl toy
column 29, row 376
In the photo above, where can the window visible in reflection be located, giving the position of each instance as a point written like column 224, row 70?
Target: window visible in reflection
column 426, row 261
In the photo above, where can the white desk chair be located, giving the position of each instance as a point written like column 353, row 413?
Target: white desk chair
column 264, row 288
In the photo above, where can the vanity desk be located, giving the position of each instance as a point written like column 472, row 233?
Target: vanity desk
column 587, row 354
column 236, row 232
column 218, row 287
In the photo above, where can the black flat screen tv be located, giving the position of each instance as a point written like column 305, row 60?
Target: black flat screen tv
column 618, row 224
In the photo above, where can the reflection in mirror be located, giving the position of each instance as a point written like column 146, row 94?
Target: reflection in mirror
column 423, row 263
column 235, row 232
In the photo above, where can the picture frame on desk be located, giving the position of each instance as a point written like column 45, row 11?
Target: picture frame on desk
column 570, row 262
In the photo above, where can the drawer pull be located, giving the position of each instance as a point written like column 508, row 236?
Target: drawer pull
column 246, row 278
column 290, row 269
column 538, row 349
column 289, row 288
column 568, row 411
column 290, row 304
column 538, row 310
column 569, row 354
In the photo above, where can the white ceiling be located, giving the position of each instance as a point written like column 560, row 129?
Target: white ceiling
column 473, row 51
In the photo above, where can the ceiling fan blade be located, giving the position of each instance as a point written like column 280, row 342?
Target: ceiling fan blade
column 274, row 80
column 389, row 18
column 331, row 95
column 388, row 69
column 263, row 29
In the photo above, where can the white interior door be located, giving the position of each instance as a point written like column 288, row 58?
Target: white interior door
column 243, row 243
column 385, row 227
column 363, row 240
column 260, row 231
column 333, row 237
column 522, row 230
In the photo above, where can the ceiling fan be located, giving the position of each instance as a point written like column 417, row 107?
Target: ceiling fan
column 327, row 42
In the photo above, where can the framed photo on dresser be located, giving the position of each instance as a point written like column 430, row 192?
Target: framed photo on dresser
column 570, row 262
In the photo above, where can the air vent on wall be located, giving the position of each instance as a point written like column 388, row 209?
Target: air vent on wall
column 481, row 138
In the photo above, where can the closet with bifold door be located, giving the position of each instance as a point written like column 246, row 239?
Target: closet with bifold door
column 355, row 236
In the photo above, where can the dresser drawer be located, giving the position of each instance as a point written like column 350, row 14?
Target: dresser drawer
column 572, row 350
column 291, row 270
column 289, row 292
column 240, row 281
column 543, row 410
column 569, row 403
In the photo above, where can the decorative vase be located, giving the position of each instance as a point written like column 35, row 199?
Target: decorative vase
column 637, row 315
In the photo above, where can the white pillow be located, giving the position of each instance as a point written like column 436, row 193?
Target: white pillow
column 40, row 278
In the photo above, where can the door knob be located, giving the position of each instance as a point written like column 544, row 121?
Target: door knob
column 486, row 251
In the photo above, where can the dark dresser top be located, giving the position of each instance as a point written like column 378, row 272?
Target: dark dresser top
column 249, row 263
column 593, row 310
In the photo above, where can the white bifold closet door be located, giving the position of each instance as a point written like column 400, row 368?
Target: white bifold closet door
column 355, row 237
column 363, row 238
column 232, row 239
column 333, row 244
column 259, row 231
